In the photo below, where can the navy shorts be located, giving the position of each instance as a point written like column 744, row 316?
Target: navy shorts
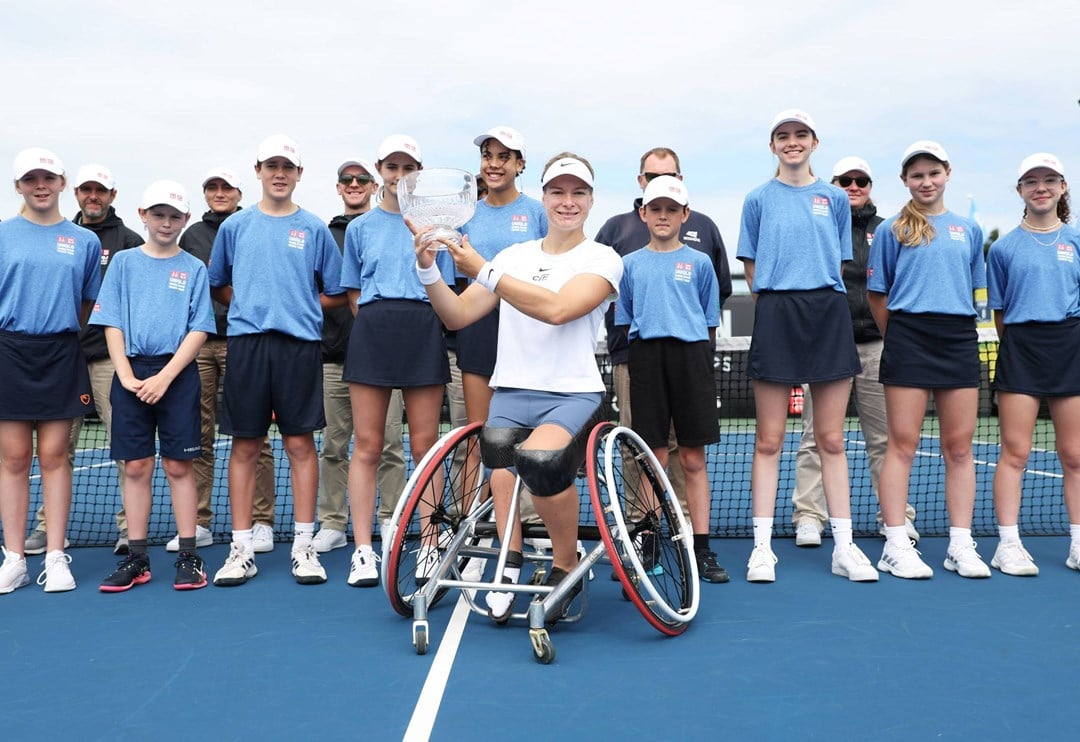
column 930, row 351
column 801, row 337
column 672, row 381
column 476, row 345
column 175, row 417
column 272, row 375
column 397, row 343
column 1040, row 359
column 45, row 377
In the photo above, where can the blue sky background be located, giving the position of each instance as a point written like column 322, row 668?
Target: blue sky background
column 169, row 90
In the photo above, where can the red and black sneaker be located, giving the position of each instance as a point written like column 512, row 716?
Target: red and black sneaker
column 132, row 570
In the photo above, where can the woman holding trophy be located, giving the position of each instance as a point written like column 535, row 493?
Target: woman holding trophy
column 396, row 343
column 552, row 294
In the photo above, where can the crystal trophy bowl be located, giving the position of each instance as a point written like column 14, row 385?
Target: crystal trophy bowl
column 442, row 198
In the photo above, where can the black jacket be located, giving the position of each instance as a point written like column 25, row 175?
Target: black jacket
column 627, row 233
column 114, row 237
column 864, row 221
column 198, row 239
column 337, row 322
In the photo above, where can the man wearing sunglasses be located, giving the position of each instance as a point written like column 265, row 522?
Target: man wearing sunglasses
column 357, row 185
column 627, row 233
column 853, row 175
column 221, row 189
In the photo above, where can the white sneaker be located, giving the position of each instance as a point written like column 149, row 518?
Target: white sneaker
column 363, row 572
column 807, row 533
column 427, row 564
column 203, row 538
column 966, row 562
column 909, row 527
column 239, row 567
column 500, row 605
column 762, row 565
column 36, row 543
column 12, row 572
column 853, row 564
column 56, row 575
column 1073, row 561
column 328, row 539
column 305, row 566
column 386, row 529
column 1013, row 559
column 904, row 561
column 262, row 538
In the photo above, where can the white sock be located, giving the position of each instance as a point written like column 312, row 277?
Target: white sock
column 1009, row 534
column 959, row 537
column 243, row 538
column 897, row 536
column 1074, row 532
column 763, row 532
column 302, row 534
column 512, row 574
column 841, row 532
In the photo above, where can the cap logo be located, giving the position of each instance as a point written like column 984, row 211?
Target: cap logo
column 409, row 147
column 45, row 160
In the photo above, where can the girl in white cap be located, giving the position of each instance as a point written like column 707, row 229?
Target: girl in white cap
column 49, row 278
column 1034, row 290
column 396, row 343
column 795, row 233
column 925, row 265
column 552, row 294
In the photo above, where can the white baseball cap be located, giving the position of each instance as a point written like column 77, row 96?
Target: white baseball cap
column 95, row 173
column 279, row 145
column 567, row 166
column 399, row 143
column 165, row 193
column 796, row 115
column 37, row 158
column 666, row 186
column 509, row 138
column 924, row 147
column 224, row 173
column 1041, row 159
column 362, row 163
column 847, row 164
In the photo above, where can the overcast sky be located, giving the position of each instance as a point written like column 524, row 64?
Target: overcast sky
column 166, row 90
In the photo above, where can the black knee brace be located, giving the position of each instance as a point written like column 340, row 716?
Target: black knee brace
column 497, row 446
column 547, row 473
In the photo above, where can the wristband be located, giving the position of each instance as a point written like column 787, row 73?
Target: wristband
column 489, row 276
column 428, row 275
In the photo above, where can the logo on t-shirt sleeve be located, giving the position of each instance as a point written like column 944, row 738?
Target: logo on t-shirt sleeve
column 65, row 245
column 1065, row 252
column 683, row 272
column 519, row 223
column 296, row 238
column 956, row 232
column 820, row 206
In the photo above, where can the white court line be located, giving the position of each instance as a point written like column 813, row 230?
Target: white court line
column 81, row 468
column 427, row 706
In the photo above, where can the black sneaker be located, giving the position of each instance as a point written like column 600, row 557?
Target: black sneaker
column 132, row 570
column 560, row 610
column 650, row 554
column 190, row 572
column 708, row 569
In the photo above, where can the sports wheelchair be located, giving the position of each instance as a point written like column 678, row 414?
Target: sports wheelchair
column 443, row 536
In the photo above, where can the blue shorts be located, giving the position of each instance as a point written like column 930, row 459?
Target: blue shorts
column 175, row 417
column 45, row 377
column 272, row 375
column 525, row 408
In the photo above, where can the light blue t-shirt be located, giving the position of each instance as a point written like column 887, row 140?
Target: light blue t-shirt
column 46, row 273
column 155, row 302
column 797, row 236
column 668, row 295
column 276, row 266
column 493, row 228
column 937, row 277
column 380, row 260
column 1032, row 281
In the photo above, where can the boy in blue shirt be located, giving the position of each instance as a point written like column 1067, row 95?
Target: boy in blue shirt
column 155, row 307
column 669, row 302
column 277, row 267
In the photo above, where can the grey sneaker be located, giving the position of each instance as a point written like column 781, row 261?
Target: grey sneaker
column 36, row 542
column 121, row 547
